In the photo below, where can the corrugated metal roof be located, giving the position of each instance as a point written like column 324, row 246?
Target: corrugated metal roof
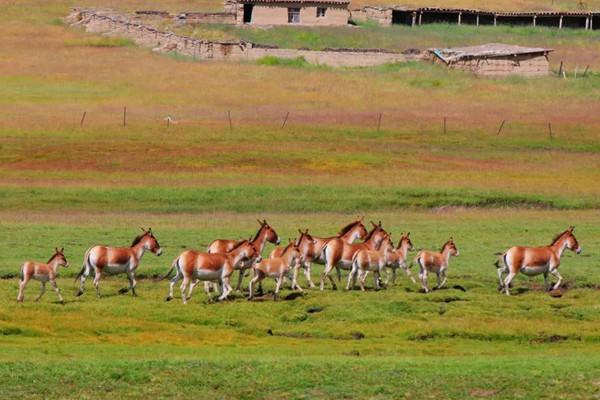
column 489, row 12
column 337, row 2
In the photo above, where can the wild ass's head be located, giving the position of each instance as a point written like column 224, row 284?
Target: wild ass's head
column 246, row 251
column 59, row 258
column 148, row 241
column 293, row 252
column 405, row 242
column 270, row 234
column 377, row 234
column 450, row 247
column 569, row 240
column 386, row 243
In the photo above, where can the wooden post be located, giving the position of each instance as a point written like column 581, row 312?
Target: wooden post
column 477, row 19
column 285, row 120
column 124, row 115
column 495, row 20
column 586, row 71
column 535, row 20
column 229, row 117
column 82, row 118
column 445, row 125
column 587, row 23
column 414, row 19
column 560, row 69
column 459, row 18
column 501, row 126
column 379, row 123
column 560, row 22
column 550, row 130
column 420, row 17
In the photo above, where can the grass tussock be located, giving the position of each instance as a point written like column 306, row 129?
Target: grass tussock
column 101, row 41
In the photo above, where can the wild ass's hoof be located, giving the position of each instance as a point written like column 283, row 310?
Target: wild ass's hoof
column 168, row 298
column 79, row 293
column 123, row 290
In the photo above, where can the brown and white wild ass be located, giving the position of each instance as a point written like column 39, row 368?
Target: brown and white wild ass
column 264, row 234
column 398, row 257
column 277, row 268
column 311, row 247
column 42, row 272
column 117, row 260
column 195, row 266
column 533, row 261
column 430, row 261
column 339, row 254
column 370, row 260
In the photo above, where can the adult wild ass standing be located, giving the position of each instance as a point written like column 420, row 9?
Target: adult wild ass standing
column 533, row 261
column 311, row 247
column 338, row 254
column 430, row 261
column 195, row 266
column 43, row 273
column 397, row 258
column 370, row 260
column 264, row 234
column 277, row 268
column 117, row 260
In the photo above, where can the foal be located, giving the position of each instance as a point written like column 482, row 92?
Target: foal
column 536, row 260
column 264, row 234
column 397, row 258
column 194, row 266
column 436, row 262
column 117, row 260
column 43, row 273
column 370, row 260
column 277, row 268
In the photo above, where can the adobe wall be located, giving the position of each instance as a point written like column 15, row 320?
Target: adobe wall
column 383, row 16
column 265, row 14
column 523, row 65
column 114, row 24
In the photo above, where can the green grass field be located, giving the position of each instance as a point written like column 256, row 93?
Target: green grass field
column 72, row 185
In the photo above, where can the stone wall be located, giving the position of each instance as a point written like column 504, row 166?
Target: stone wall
column 277, row 14
column 383, row 16
column 109, row 23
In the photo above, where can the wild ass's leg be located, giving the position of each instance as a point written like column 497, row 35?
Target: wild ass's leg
column 238, row 287
column 278, row 286
column 559, row 276
column 307, row 274
column 546, row 285
column 132, row 282
column 21, row 294
column 409, row 274
column 338, row 271
column 42, row 292
column 86, row 273
column 362, row 278
column 352, row 277
column 444, row 278
column 184, row 285
column 501, row 271
column 227, row 289
column 172, row 283
column 256, row 278
column 97, row 282
column 57, row 290
column 423, row 277
column 325, row 274
column 507, row 281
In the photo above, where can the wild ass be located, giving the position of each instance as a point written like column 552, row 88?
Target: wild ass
column 42, row 272
column 311, row 247
column 338, row 254
column 195, row 266
column 264, row 234
column 117, row 260
column 370, row 260
column 437, row 263
column 533, row 261
column 277, row 268
column 397, row 259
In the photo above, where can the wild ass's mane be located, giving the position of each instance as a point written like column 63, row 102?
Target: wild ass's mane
column 444, row 246
column 259, row 231
column 371, row 233
column 286, row 248
column 239, row 244
column 558, row 237
column 138, row 238
column 348, row 227
column 53, row 257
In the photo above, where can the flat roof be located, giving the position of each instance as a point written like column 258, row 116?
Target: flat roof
column 334, row 2
column 489, row 50
column 582, row 13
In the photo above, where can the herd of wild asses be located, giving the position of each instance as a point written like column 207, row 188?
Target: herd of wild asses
column 354, row 249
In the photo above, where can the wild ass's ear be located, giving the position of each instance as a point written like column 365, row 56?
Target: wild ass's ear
column 379, row 224
column 62, row 250
column 373, row 223
column 407, row 234
column 56, row 249
column 260, row 223
column 571, row 228
column 300, row 231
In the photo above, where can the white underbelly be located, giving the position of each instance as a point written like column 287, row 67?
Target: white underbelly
column 115, row 269
column 41, row 278
column 534, row 270
column 345, row 264
column 207, row 275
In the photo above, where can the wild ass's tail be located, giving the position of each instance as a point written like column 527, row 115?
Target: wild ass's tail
column 22, row 273
column 86, row 264
column 500, row 260
column 174, row 264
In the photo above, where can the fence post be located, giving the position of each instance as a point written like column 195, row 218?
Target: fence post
column 379, row 123
column 501, row 126
column 229, row 117
column 82, row 118
column 285, row 120
column 124, row 115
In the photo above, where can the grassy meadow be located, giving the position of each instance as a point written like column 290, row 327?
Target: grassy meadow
column 73, row 184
